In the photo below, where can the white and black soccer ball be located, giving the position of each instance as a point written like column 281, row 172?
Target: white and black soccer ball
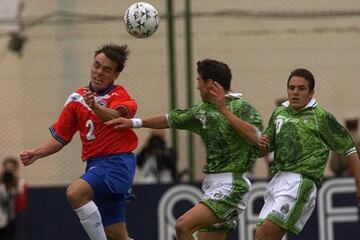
column 141, row 19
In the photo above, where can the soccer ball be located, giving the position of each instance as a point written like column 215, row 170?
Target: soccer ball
column 141, row 20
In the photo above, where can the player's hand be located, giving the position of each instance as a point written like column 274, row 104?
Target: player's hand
column 218, row 94
column 89, row 98
column 263, row 142
column 27, row 157
column 120, row 123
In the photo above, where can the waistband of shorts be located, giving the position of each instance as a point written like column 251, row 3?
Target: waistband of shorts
column 291, row 174
column 91, row 159
column 226, row 175
column 288, row 174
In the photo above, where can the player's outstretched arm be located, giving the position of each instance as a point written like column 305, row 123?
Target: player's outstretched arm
column 157, row 122
column 52, row 146
column 120, row 123
column 354, row 166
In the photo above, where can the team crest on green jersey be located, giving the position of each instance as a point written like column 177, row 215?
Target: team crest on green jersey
column 306, row 119
column 201, row 116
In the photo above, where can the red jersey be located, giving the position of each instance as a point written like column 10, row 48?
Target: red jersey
column 97, row 138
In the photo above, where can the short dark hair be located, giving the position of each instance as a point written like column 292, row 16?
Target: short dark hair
column 117, row 53
column 352, row 123
column 215, row 70
column 11, row 160
column 156, row 142
column 306, row 74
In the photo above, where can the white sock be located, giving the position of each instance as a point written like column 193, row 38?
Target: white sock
column 91, row 221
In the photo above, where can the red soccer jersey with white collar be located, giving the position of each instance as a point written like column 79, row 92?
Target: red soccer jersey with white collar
column 97, row 138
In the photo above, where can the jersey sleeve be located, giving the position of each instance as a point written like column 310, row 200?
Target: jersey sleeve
column 185, row 119
column 270, row 132
column 249, row 114
column 127, row 108
column 66, row 125
column 335, row 136
column 122, row 102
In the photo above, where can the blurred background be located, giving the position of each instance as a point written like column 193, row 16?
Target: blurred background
column 46, row 49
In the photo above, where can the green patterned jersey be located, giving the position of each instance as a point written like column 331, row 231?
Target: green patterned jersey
column 226, row 150
column 301, row 140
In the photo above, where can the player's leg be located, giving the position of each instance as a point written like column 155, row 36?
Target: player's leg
column 217, row 231
column 117, row 231
column 216, row 235
column 113, row 215
column 194, row 219
column 225, row 197
column 269, row 231
column 80, row 195
column 289, row 202
column 112, row 193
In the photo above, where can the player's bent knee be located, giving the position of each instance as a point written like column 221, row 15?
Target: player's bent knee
column 78, row 193
column 261, row 233
column 76, row 199
column 180, row 227
column 71, row 197
column 69, row 193
column 72, row 194
column 269, row 231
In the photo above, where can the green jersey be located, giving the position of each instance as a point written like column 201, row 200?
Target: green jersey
column 301, row 140
column 226, row 150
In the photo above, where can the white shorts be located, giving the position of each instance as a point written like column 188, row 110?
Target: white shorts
column 227, row 195
column 289, row 201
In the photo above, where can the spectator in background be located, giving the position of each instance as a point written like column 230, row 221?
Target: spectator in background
column 156, row 160
column 19, row 188
column 338, row 163
column 7, row 204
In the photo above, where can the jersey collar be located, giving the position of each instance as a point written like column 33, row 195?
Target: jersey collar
column 233, row 95
column 312, row 103
column 103, row 92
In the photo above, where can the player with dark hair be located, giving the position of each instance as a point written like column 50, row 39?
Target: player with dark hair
column 300, row 133
column 98, row 196
column 230, row 127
